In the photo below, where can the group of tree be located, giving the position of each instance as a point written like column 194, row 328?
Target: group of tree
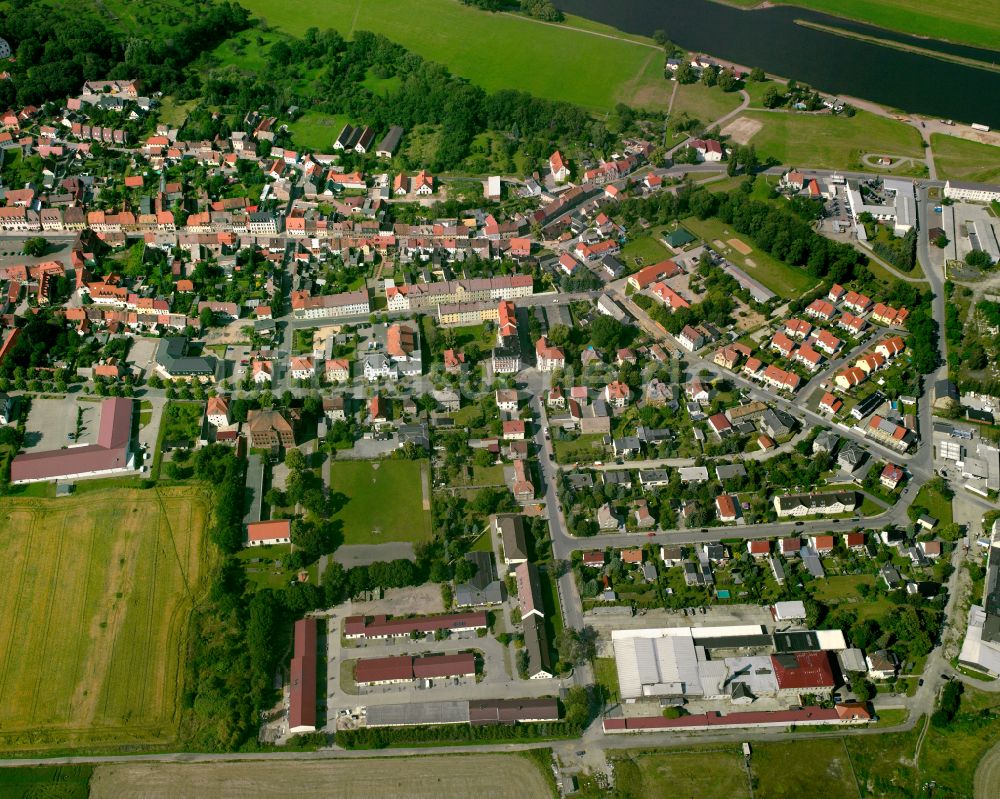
column 900, row 251
column 539, row 9
column 58, row 47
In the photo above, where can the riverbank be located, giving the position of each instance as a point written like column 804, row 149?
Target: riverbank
column 972, row 24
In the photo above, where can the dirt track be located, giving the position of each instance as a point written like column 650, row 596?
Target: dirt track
column 434, row 777
column 987, row 780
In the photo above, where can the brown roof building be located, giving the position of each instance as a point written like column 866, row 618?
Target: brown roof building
column 269, row 429
column 302, row 694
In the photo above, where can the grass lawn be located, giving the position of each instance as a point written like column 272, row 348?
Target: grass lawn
column 705, row 103
column 606, row 675
column 831, row 142
column 960, row 159
column 784, row 280
column 646, row 248
column 175, row 113
column 841, row 589
column 824, row 769
column 97, row 596
column 550, row 61
column 384, row 501
column 951, row 20
column 316, row 131
column 937, row 506
column 582, row 448
column 707, row 773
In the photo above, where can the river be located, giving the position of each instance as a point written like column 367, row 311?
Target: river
column 772, row 40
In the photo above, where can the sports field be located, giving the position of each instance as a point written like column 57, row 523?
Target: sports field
column 829, row 142
column 96, row 594
column 492, row 50
column 427, row 777
column 784, row 280
column 961, row 159
column 386, row 500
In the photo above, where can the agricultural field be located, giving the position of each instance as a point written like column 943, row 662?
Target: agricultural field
column 784, row 280
column 104, row 608
column 384, row 501
column 949, row 20
column 831, row 142
column 961, row 159
column 555, row 62
column 427, row 777
column 709, row 773
column 45, row 782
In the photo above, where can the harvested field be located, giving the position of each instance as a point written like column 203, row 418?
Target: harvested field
column 742, row 129
column 96, row 594
column 429, row 777
column 741, row 247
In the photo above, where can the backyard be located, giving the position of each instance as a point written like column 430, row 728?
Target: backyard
column 104, row 609
column 387, row 500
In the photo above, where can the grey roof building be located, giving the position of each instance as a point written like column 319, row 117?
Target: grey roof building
column 510, row 528
column 173, row 360
column 485, row 586
column 536, row 643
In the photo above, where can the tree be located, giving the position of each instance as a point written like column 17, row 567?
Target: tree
column 757, row 75
column 35, row 247
column 941, row 241
column 660, row 37
column 206, row 318
column 607, row 333
column 295, row 460
column 772, row 97
column 979, row 258
column 861, row 688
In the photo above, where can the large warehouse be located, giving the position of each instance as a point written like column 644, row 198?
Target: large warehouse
column 110, row 455
column 675, row 662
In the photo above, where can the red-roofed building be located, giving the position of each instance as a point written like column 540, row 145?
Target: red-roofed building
column 789, row 546
column 799, row 328
column 854, row 542
column 830, row 404
column 593, row 558
column 759, row 548
column 302, row 687
column 383, row 626
column 725, row 508
column 720, row 424
column 111, row 453
column 664, row 270
column 617, row 394
column 821, row 309
column 891, row 476
column 268, row 533
column 823, row 544
column 803, row 672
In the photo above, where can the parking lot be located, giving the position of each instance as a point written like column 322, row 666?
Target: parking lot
column 52, row 425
